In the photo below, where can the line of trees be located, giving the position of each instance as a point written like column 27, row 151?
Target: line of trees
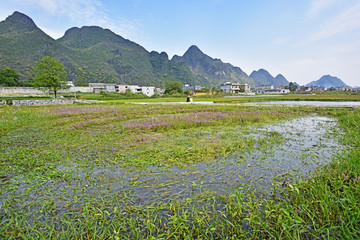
column 50, row 75
column 9, row 78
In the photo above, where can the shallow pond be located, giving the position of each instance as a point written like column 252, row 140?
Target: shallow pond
column 304, row 144
column 301, row 145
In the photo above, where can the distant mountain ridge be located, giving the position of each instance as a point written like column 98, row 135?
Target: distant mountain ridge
column 22, row 43
column 94, row 54
column 328, row 82
column 264, row 78
column 207, row 69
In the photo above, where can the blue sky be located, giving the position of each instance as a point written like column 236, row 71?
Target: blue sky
column 301, row 39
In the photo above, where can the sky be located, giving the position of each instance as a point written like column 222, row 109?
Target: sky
column 300, row 39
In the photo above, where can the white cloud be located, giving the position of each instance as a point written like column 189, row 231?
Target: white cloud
column 50, row 6
column 317, row 6
column 74, row 13
column 52, row 33
column 345, row 21
column 80, row 10
column 91, row 12
column 282, row 40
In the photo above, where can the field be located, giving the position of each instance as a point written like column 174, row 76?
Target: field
column 116, row 170
column 321, row 96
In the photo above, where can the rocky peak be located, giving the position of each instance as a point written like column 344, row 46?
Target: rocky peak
column 193, row 50
column 20, row 19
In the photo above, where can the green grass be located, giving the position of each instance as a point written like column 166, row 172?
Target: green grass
column 51, row 187
column 24, row 98
column 326, row 96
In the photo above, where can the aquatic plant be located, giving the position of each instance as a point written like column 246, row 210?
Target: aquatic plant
column 119, row 171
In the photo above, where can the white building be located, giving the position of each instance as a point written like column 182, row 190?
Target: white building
column 343, row 88
column 122, row 88
column 235, row 88
column 226, row 87
column 262, row 89
column 148, row 91
column 191, row 87
column 273, row 91
column 102, row 87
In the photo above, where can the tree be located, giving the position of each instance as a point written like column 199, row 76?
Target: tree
column 50, row 74
column 173, row 87
column 187, row 92
column 292, row 87
column 9, row 78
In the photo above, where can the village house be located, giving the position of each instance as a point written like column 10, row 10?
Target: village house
column 343, row 88
column 148, row 91
column 305, row 89
column 263, row 89
column 192, row 88
column 317, row 88
column 276, row 91
column 235, row 88
column 92, row 88
column 102, row 87
column 160, row 91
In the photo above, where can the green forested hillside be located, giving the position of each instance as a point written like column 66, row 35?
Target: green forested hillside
column 209, row 71
column 22, row 44
column 94, row 54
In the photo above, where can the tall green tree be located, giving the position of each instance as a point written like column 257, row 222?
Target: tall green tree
column 50, row 75
column 172, row 87
column 292, row 87
column 9, row 78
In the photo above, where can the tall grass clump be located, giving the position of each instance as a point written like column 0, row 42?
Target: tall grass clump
column 323, row 206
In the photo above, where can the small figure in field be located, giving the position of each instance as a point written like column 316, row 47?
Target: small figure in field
column 188, row 99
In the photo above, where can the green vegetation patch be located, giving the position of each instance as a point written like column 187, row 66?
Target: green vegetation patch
column 156, row 171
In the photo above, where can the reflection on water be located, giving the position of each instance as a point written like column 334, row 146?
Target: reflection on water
column 306, row 143
column 301, row 145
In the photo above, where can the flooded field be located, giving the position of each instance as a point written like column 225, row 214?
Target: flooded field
column 120, row 166
column 301, row 145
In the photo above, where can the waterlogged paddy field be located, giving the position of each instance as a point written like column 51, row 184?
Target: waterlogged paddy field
column 98, row 171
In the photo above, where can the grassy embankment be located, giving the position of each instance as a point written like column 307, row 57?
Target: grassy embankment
column 326, row 96
column 51, row 187
column 219, row 98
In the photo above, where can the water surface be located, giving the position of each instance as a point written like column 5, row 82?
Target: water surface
column 301, row 145
column 309, row 103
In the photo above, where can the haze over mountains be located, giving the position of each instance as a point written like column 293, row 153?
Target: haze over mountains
column 94, row 54
column 328, row 82
column 263, row 77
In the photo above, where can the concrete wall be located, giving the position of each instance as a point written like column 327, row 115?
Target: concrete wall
column 41, row 102
column 21, row 90
column 76, row 89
